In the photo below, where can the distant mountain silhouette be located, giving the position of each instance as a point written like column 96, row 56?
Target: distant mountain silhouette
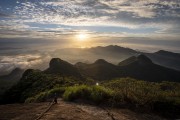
column 60, row 71
column 161, row 57
column 143, row 68
column 6, row 81
column 140, row 67
column 141, row 59
column 115, row 54
column 167, row 53
column 166, row 58
column 127, row 61
column 113, row 49
column 111, row 53
column 13, row 75
column 61, row 67
column 100, row 70
column 31, row 82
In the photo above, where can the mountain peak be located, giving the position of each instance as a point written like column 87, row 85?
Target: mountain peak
column 144, row 59
column 113, row 49
column 161, row 51
column 167, row 53
column 58, row 66
column 119, row 48
column 128, row 61
column 54, row 62
column 100, row 61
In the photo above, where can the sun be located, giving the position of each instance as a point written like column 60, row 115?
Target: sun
column 82, row 39
column 82, row 36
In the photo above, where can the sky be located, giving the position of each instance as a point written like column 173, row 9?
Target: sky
column 148, row 25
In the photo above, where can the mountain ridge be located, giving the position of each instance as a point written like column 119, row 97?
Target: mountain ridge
column 61, row 67
column 6, row 81
column 35, row 81
column 115, row 54
column 140, row 67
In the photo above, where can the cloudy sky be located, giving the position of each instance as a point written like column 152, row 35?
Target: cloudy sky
column 139, row 24
column 134, row 23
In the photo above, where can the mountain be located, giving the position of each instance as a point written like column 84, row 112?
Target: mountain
column 111, row 53
column 115, row 54
column 112, row 49
column 140, row 67
column 127, row 61
column 6, row 81
column 167, row 53
column 166, row 58
column 63, row 68
column 143, row 68
column 141, row 60
column 13, row 75
column 33, row 81
column 62, row 73
column 99, row 70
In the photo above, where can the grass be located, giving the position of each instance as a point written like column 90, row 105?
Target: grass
column 44, row 96
column 96, row 94
column 163, row 98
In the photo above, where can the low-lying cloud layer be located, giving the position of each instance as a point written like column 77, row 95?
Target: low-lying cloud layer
column 24, row 61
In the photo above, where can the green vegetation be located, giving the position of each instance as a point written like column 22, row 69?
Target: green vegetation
column 34, row 83
column 163, row 98
column 77, row 83
column 44, row 96
column 96, row 94
column 77, row 92
column 142, row 92
column 36, row 86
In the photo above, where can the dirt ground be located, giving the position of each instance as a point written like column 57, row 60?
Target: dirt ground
column 68, row 111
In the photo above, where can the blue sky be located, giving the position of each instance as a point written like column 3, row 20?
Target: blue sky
column 156, row 21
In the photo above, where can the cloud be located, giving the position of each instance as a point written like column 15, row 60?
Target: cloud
column 95, row 12
column 25, row 61
column 60, row 19
column 3, row 15
column 51, row 24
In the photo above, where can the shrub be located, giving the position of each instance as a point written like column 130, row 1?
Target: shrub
column 139, row 92
column 96, row 94
column 77, row 92
column 30, row 100
column 43, row 96
column 58, row 90
column 100, row 94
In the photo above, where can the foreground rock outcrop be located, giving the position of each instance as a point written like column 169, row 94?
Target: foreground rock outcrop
column 69, row 111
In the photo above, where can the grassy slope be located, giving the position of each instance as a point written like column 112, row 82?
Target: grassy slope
column 36, row 86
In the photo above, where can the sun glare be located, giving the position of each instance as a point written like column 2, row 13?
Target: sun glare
column 82, row 37
column 82, row 40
